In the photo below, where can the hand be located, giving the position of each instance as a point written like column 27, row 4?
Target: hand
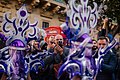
column 58, row 49
column 105, row 20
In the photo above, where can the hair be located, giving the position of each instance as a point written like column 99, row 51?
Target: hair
column 94, row 40
column 77, row 76
column 102, row 38
column 51, row 38
column 58, row 35
column 66, row 1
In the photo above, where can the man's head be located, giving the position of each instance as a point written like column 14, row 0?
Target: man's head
column 59, row 40
column 34, row 45
column 51, row 42
column 102, row 42
column 43, row 45
column 94, row 44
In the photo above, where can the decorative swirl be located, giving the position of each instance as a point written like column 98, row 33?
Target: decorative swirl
column 27, row 26
column 18, row 26
column 94, row 17
column 33, row 62
column 14, row 25
column 4, row 59
column 34, row 33
column 35, row 24
column 6, row 18
column 71, row 67
column 81, row 18
column 12, row 58
column 4, row 28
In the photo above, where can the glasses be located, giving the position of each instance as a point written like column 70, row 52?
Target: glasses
column 58, row 39
column 102, row 44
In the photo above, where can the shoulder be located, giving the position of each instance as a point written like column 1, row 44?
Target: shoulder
column 111, row 52
column 66, row 49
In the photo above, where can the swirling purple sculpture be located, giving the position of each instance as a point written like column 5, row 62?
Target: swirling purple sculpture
column 12, row 58
column 80, row 18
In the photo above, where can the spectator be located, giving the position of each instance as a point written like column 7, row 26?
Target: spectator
column 43, row 45
column 109, row 62
column 33, row 50
column 94, row 48
column 116, row 50
column 51, row 44
column 108, row 29
column 102, row 30
column 54, row 61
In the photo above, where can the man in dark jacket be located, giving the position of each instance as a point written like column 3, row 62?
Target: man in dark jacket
column 109, row 62
column 55, row 60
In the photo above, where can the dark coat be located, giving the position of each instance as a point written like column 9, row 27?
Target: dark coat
column 107, row 67
column 57, row 59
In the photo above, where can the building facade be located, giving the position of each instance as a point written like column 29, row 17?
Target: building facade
column 47, row 12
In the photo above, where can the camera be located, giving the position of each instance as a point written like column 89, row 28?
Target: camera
column 109, row 19
column 60, row 43
column 103, row 17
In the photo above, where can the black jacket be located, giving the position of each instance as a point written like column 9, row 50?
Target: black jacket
column 107, row 67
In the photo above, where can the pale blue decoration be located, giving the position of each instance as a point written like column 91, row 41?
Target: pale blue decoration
column 80, row 18
column 76, row 63
column 12, row 57
column 35, row 61
column 18, row 26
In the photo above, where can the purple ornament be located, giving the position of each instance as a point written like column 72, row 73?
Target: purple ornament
column 17, row 43
column 83, row 37
column 84, row 18
column 20, row 29
column 22, row 13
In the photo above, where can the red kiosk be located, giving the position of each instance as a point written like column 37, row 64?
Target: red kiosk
column 53, row 31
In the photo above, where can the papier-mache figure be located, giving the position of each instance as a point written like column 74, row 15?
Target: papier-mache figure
column 13, row 60
column 80, row 18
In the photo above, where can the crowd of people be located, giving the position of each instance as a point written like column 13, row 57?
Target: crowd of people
column 55, row 51
column 58, row 54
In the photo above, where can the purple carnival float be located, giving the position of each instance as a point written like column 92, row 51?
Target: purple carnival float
column 13, row 60
column 80, row 18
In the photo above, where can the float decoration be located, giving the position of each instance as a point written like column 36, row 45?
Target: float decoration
column 80, row 18
column 12, row 60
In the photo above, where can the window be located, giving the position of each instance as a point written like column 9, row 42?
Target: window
column 1, row 19
column 45, row 25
